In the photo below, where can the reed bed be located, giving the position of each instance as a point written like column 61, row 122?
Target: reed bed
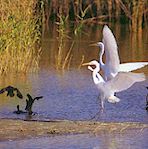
column 19, row 36
column 62, row 60
column 64, row 56
column 20, row 26
column 133, row 12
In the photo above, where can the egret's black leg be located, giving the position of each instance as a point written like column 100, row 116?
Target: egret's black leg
column 101, row 109
column 146, row 103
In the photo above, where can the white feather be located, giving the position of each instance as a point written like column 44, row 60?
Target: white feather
column 127, row 67
column 112, row 65
column 111, row 51
column 124, row 80
column 107, row 89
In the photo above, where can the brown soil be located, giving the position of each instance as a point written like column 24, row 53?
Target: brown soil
column 19, row 129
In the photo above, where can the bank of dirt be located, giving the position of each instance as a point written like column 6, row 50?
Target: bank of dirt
column 11, row 129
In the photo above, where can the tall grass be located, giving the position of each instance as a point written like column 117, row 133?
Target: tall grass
column 62, row 60
column 133, row 12
column 19, row 36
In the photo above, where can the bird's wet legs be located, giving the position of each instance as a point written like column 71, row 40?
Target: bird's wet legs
column 146, row 103
column 101, row 110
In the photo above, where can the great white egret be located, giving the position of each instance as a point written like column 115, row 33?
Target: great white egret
column 112, row 65
column 107, row 89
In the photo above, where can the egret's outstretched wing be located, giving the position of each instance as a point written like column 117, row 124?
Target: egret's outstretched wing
column 124, row 80
column 111, row 50
column 127, row 67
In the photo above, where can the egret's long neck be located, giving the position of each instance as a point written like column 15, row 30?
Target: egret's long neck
column 97, row 78
column 101, row 54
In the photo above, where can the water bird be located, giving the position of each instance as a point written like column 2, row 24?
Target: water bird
column 112, row 65
column 11, row 91
column 107, row 89
column 19, row 111
column 146, row 101
column 29, row 103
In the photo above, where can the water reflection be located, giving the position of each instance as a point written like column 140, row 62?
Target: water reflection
column 132, row 139
column 132, row 47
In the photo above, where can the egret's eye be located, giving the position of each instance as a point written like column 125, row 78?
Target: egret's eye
column 93, row 66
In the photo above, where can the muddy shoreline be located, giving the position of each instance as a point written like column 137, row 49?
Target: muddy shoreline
column 13, row 129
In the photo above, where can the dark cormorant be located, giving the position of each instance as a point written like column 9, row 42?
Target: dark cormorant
column 10, row 91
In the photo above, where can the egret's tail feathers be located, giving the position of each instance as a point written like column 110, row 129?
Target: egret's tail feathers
column 113, row 99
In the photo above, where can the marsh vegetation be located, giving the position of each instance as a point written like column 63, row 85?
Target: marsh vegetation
column 22, row 24
column 56, row 34
column 19, row 36
column 133, row 12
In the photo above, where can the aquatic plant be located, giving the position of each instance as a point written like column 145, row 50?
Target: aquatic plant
column 81, row 20
column 62, row 60
column 19, row 36
column 133, row 12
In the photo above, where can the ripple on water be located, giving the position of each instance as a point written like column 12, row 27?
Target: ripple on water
column 132, row 139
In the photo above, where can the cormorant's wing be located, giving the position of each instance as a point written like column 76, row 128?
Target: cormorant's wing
column 126, row 67
column 2, row 90
column 19, row 94
column 8, row 88
column 37, row 98
column 111, row 50
column 10, row 91
column 124, row 80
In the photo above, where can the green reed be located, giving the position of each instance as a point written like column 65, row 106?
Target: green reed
column 63, row 56
column 19, row 36
column 81, row 20
column 63, row 60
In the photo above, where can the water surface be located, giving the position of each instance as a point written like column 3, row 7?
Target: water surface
column 130, row 140
column 71, row 94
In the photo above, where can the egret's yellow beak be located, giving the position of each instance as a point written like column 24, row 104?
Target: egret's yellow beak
column 94, row 44
column 85, row 64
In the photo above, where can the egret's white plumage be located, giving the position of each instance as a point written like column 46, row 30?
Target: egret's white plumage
column 107, row 89
column 127, row 67
column 112, row 65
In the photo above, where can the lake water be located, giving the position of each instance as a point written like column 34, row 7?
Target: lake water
column 82, row 141
column 71, row 94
